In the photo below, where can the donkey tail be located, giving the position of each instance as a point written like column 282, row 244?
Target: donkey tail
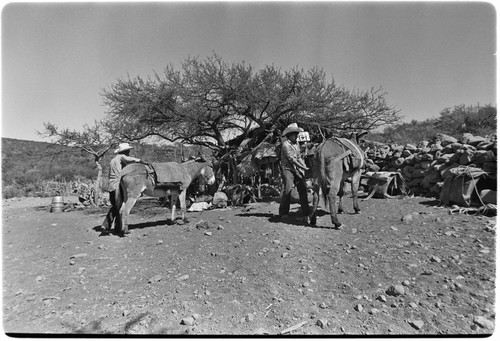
column 323, row 181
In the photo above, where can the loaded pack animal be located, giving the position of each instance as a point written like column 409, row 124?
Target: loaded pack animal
column 158, row 180
column 336, row 160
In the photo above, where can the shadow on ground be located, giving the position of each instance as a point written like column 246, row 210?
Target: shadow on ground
column 293, row 219
column 138, row 226
column 433, row 202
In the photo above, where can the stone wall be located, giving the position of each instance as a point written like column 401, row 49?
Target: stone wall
column 425, row 166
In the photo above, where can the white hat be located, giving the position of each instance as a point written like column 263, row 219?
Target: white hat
column 123, row 147
column 292, row 128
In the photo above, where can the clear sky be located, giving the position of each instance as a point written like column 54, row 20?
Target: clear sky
column 56, row 57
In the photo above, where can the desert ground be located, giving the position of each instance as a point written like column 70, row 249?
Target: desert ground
column 402, row 267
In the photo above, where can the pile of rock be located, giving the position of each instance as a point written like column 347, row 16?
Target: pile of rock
column 425, row 165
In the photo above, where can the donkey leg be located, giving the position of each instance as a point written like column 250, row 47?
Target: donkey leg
column 341, row 197
column 172, row 216
column 122, row 223
column 182, row 202
column 332, row 196
column 354, row 188
column 312, row 214
column 124, row 213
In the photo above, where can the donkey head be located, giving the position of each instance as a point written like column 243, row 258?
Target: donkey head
column 207, row 175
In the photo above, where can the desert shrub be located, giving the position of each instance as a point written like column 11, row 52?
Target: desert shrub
column 27, row 164
column 30, row 189
column 477, row 120
column 11, row 191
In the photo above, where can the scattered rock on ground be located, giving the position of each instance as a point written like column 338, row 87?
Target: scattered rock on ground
column 260, row 331
column 417, row 324
column 483, row 322
column 407, row 219
column 155, row 279
column 188, row 321
column 435, row 259
column 204, row 275
column 323, row 323
column 395, row 290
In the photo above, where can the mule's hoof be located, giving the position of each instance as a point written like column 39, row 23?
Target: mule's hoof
column 338, row 226
column 312, row 221
column 302, row 220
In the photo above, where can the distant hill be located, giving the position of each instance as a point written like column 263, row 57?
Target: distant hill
column 27, row 165
column 25, row 162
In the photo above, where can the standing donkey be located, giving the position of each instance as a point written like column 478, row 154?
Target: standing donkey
column 137, row 179
column 335, row 160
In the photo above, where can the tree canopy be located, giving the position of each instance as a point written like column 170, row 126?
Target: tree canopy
column 94, row 139
column 208, row 100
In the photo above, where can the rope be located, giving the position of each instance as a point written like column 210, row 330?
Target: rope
column 485, row 209
column 475, row 187
column 343, row 155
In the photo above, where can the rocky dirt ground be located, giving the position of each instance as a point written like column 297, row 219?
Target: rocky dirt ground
column 241, row 271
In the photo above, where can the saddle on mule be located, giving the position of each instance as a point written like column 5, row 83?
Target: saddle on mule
column 159, row 181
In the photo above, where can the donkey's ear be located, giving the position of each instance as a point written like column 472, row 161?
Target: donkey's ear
column 200, row 158
column 360, row 135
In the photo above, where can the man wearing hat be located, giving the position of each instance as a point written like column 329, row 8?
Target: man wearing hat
column 117, row 163
column 293, row 168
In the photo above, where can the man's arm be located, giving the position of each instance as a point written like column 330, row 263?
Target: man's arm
column 290, row 155
column 130, row 159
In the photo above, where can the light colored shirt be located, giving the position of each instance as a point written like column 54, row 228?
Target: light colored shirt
column 115, row 167
column 290, row 152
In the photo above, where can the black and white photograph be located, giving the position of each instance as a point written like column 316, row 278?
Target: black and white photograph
column 249, row 169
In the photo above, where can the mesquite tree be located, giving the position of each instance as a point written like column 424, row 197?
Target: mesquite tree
column 207, row 100
column 195, row 107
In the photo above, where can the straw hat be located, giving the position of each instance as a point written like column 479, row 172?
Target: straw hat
column 292, row 128
column 123, row 147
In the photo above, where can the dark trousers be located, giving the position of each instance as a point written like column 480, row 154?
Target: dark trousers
column 112, row 213
column 289, row 179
